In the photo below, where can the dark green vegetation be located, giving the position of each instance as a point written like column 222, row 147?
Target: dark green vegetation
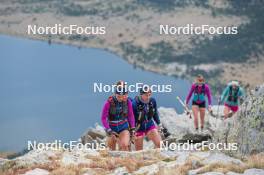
column 162, row 5
column 223, row 48
column 237, row 48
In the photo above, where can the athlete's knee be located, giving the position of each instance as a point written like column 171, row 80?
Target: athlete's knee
column 124, row 144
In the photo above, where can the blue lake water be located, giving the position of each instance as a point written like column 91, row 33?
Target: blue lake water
column 46, row 91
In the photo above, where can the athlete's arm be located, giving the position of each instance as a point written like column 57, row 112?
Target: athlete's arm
column 134, row 106
column 224, row 94
column 104, row 115
column 190, row 94
column 156, row 114
column 208, row 94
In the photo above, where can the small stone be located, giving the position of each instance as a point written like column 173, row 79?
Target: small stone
column 37, row 171
column 254, row 171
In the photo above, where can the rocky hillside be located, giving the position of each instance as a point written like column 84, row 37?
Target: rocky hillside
column 132, row 32
column 245, row 129
column 149, row 161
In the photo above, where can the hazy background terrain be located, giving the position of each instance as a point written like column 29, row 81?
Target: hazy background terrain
column 133, row 33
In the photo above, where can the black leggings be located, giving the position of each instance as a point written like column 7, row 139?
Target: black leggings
column 200, row 105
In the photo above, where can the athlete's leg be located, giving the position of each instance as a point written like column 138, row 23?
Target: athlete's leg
column 155, row 137
column 139, row 142
column 202, row 114
column 124, row 140
column 226, row 111
column 111, row 142
column 195, row 110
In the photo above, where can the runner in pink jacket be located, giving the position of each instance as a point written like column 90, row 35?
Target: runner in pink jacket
column 199, row 90
column 118, row 118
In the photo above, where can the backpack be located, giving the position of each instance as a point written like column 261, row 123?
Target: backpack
column 199, row 95
column 233, row 97
column 118, row 110
column 150, row 109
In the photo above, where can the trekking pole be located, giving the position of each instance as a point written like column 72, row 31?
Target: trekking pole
column 186, row 109
column 219, row 100
column 218, row 105
column 132, row 139
column 138, row 123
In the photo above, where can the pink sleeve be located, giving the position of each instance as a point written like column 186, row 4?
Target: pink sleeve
column 104, row 115
column 131, row 118
column 208, row 93
column 190, row 93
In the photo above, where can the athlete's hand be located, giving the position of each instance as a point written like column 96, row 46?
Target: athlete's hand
column 132, row 131
column 109, row 132
column 114, row 135
column 219, row 101
column 210, row 108
column 132, row 134
column 160, row 128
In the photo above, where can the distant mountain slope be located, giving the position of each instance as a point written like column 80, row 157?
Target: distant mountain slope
column 133, row 33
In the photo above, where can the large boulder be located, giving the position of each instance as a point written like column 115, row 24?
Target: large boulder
column 94, row 135
column 182, row 128
column 247, row 126
column 2, row 161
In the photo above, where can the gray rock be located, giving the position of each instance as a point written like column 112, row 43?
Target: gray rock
column 37, row 171
column 148, row 170
column 143, row 154
column 182, row 129
column 220, row 158
column 120, row 171
column 36, row 157
column 196, row 138
column 94, row 135
column 254, row 171
column 212, row 173
column 73, row 158
column 2, row 161
column 232, row 173
column 247, row 129
column 195, row 171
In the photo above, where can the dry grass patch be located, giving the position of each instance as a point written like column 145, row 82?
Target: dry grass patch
column 70, row 170
column 223, row 168
column 103, row 153
column 181, row 170
column 12, row 168
column 111, row 163
column 254, row 161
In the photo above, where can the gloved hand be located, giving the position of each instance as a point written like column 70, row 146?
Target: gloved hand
column 132, row 132
column 160, row 128
column 186, row 104
column 210, row 109
column 219, row 101
column 108, row 132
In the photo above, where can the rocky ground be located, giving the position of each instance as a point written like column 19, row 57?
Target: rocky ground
column 245, row 129
column 133, row 33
